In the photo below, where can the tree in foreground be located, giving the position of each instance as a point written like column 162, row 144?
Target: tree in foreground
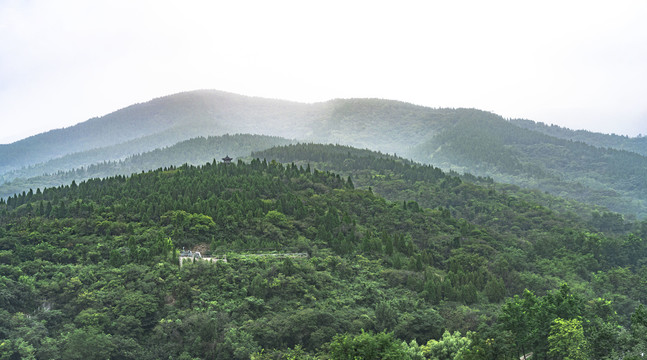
column 566, row 340
column 368, row 346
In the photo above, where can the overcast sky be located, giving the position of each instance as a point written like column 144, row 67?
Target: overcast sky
column 579, row 64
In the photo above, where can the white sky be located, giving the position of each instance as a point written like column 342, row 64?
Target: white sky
column 579, row 64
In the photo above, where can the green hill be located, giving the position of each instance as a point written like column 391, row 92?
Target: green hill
column 165, row 121
column 96, row 263
column 506, row 208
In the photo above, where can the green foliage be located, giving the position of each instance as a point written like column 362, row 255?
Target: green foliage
column 87, row 343
column 367, row 346
column 594, row 168
column 495, row 290
column 239, row 344
column 566, row 340
column 90, row 269
column 449, row 347
column 531, row 318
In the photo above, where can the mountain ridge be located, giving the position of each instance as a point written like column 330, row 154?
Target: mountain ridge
column 636, row 144
column 129, row 123
column 208, row 113
column 195, row 151
column 467, row 140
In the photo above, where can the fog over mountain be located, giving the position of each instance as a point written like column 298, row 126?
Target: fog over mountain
column 66, row 62
column 600, row 169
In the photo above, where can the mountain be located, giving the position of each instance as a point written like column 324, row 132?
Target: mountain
column 162, row 122
column 488, row 145
column 97, row 263
column 464, row 140
column 196, row 151
column 165, row 121
column 613, row 141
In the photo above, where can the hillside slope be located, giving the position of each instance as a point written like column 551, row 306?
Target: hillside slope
column 96, row 263
column 506, row 209
column 384, row 125
column 488, row 145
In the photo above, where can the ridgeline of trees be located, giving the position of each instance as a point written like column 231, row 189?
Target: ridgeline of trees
column 195, row 151
column 477, row 199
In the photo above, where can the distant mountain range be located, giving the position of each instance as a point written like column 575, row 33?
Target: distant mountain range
column 613, row 141
column 158, row 123
column 607, row 170
column 196, row 151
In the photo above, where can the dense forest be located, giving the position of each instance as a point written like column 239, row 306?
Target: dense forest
column 453, row 267
column 477, row 199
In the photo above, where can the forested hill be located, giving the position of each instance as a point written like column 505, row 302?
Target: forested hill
column 96, row 263
column 504, row 208
column 618, row 142
column 491, row 146
column 195, row 151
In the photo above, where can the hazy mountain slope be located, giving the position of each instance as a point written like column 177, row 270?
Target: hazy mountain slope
column 99, row 155
column 379, row 124
column 175, row 118
column 618, row 142
column 384, row 125
column 197, row 151
column 491, row 146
